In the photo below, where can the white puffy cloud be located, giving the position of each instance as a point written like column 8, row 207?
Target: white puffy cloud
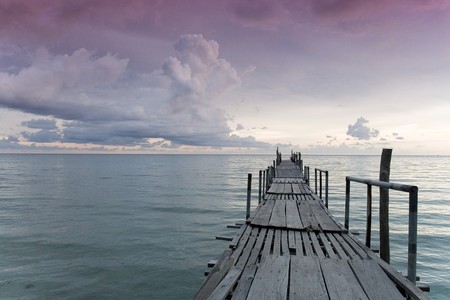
column 361, row 131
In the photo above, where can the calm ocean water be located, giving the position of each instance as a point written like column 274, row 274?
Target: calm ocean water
column 143, row 226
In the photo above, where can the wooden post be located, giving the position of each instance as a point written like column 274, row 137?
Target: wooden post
column 249, row 191
column 385, row 167
column 264, row 183
column 260, row 186
column 412, row 236
column 369, row 215
column 347, row 203
column 326, row 189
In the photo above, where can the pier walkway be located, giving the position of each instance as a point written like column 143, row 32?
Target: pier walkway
column 291, row 247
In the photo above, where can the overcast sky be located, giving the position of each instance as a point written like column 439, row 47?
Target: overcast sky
column 317, row 76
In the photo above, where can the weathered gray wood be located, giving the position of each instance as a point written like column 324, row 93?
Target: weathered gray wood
column 278, row 217
column 374, row 281
column 315, row 243
column 324, row 220
column 412, row 290
column 309, row 221
column 336, row 246
column 237, row 237
column 242, row 243
column 296, row 188
column 225, row 286
column 348, row 250
column 299, row 244
column 242, row 259
column 250, row 268
column 277, row 243
column 291, row 241
column 340, row 280
column 385, row 170
column 355, row 246
column 263, row 216
column 307, row 244
column 326, row 244
column 287, row 188
column 292, row 215
column 267, row 245
column 284, row 243
column 271, row 279
column 215, row 276
column 306, row 280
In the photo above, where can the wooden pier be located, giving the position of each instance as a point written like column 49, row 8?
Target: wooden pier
column 291, row 247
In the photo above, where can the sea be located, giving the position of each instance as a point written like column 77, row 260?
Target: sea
column 95, row 226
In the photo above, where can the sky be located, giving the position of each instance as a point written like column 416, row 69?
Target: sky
column 228, row 76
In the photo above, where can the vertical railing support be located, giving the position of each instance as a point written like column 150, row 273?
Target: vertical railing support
column 249, row 191
column 315, row 180
column 369, row 215
column 412, row 236
column 260, row 186
column 264, row 183
column 326, row 189
column 385, row 166
column 347, row 203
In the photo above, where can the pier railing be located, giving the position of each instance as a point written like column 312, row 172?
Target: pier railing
column 320, row 180
column 412, row 231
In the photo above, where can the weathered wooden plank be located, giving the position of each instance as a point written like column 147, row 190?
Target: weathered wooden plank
column 277, row 243
column 296, row 188
column 374, row 281
column 309, row 221
column 291, row 241
column 267, row 245
column 278, row 217
column 306, row 280
column 307, row 244
column 250, row 268
column 340, row 280
column 238, row 236
column 242, row 259
column 336, row 246
column 271, row 279
column 292, row 215
column 299, row 244
column 316, row 245
column 242, row 243
column 344, row 245
column 327, row 245
column 263, row 216
column 324, row 220
column 355, row 246
column 225, row 286
column 287, row 188
column 215, row 276
column 284, row 243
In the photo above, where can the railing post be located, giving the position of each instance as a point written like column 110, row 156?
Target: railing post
column 326, row 189
column 369, row 215
column 385, row 167
column 264, row 183
column 260, row 186
column 412, row 236
column 347, row 203
column 315, row 179
column 249, row 191
column 320, row 183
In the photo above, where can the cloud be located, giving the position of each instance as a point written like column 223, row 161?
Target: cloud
column 40, row 124
column 239, row 127
column 99, row 104
column 361, row 131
